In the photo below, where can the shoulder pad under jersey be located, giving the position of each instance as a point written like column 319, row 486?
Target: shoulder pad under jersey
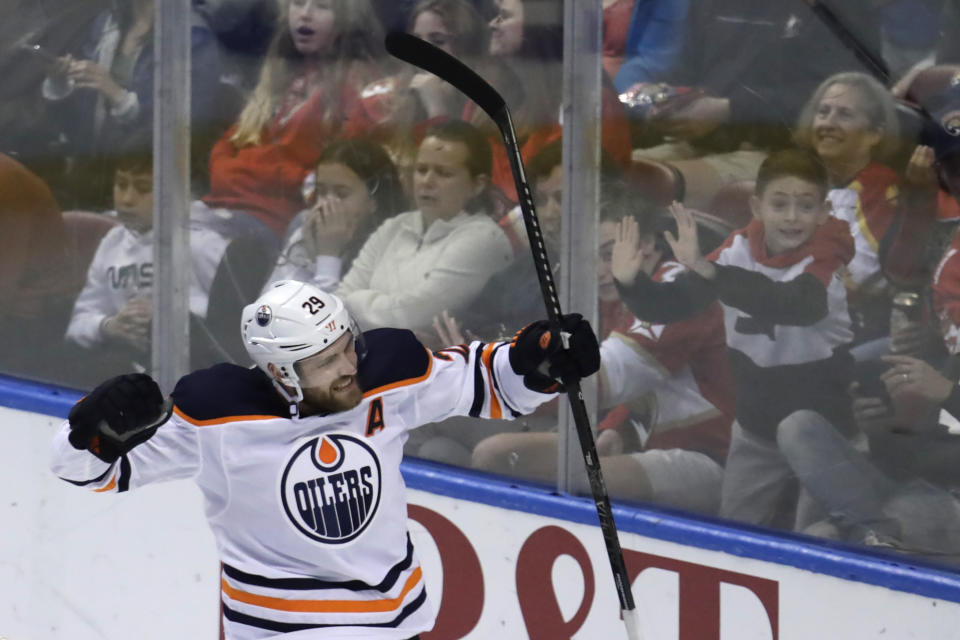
column 394, row 357
column 226, row 390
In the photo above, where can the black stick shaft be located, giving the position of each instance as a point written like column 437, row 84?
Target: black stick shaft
column 424, row 55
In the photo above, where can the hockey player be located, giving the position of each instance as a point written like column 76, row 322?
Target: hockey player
column 298, row 458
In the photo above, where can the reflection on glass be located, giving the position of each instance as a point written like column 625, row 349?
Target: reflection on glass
column 778, row 350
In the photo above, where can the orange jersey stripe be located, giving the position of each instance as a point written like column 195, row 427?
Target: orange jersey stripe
column 403, row 383
column 215, row 421
column 109, row 487
column 495, row 411
column 325, row 606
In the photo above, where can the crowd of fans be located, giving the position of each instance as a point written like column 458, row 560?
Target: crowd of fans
column 796, row 370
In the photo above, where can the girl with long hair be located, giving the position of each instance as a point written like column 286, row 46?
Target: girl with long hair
column 323, row 53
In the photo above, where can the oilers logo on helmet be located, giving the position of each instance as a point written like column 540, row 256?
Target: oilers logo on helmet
column 264, row 315
column 330, row 487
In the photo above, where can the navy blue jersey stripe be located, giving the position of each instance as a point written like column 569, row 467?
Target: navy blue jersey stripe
column 83, row 483
column 290, row 627
column 478, row 392
column 496, row 383
column 312, row 583
column 123, row 482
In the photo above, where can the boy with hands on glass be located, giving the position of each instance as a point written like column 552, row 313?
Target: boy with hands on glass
column 787, row 328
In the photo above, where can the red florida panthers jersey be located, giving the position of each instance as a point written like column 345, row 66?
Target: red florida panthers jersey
column 309, row 514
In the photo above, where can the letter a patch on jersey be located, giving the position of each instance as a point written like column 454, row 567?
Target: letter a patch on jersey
column 330, row 488
column 375, row 417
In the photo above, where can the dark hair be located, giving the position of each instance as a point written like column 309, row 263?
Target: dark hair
column 551, row 155
column 479, row 156
column 627, row 199
column 462, row 19
column 134, row 153
column 798, row 163
column 542, row 30
column 374, row 167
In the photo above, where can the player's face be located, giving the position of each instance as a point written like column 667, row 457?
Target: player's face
column 329, row 378
column 790, row 209
column 429, row 26
column 338, row 182
column 548, row 195
column 133, row 198
column 442, row 184
column 506, row 28
column 606, row 289
column 841, row 126
column 312, row 25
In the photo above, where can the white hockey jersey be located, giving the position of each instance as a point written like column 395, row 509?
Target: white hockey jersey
column 309, row 514
column 122, row 269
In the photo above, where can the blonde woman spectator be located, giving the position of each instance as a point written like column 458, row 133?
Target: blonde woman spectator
column 851, row 125
column 402, row 105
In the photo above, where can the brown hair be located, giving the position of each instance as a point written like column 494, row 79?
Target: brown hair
column 798, row 163
column 358, row 40
column 459, row 16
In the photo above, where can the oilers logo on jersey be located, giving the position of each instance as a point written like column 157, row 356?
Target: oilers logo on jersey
column 330, row 487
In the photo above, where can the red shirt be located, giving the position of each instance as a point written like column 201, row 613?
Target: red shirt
column 266, row 179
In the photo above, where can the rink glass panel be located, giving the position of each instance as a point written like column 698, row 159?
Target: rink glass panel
column 68, row 154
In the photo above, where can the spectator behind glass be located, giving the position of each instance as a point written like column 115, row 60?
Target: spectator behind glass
column 402, row 104
column 111, row 322
column 512, row 298
column 526, row 46
column 900, row 492
column 751, row 65
column 654, row 39
column 851, row 124
column 667, row 389
column 322, row 53
column 35, row 284
column 355, row 189
column 104, row 91
column 786, row 322
column 440, row 255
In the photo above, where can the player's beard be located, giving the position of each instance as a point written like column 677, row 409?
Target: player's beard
column 332, row 400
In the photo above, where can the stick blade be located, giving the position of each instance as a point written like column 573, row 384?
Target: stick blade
column 424, row 55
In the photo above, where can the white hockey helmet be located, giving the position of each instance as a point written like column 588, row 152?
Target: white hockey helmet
column 291, row 321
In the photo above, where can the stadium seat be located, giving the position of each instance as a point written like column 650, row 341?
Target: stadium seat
column 731, row 204
column 658, row 181
column 84, row 230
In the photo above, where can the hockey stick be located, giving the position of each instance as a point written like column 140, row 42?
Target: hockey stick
column 429, row 58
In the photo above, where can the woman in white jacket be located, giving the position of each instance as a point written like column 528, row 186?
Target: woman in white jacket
column 440, row 255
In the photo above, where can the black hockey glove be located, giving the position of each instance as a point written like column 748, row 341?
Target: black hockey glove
column 537, row 353
column 118, row 415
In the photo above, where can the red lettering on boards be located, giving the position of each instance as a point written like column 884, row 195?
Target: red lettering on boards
column 700, row 593
column 461, row 602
